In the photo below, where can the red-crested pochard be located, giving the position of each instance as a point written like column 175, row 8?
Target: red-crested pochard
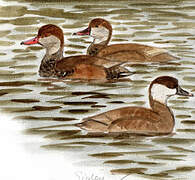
column 101, row 31
column 54, row 64
column 159, row 119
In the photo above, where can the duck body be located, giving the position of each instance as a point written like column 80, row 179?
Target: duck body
column 101, row 31
column 132, row 119
column 158, row 119
column 74, row 67
column 81, row 67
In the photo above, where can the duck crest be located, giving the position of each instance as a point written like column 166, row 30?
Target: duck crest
column 51, row 29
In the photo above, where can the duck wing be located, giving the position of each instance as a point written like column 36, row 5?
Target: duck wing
column 135, row 53
column 120, row 120
column 140, row 125
column 88, row 67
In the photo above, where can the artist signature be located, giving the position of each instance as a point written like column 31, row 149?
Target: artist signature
column 84, row 176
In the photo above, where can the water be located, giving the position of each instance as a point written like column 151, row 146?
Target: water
column 49, row 108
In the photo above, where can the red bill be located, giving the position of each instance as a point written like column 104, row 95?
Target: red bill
column 83, row 32
column 30, row 41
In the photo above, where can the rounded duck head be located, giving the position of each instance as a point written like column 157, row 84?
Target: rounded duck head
column 49, row 30
column 97, row 26
column 47, row 34
column 167, row 81
column 164, row 87
column 99, row 22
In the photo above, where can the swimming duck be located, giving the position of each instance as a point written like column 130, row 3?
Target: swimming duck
column 54, row 64
column 159, row 119
column 101, row 31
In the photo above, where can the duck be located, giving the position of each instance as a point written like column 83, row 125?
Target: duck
column 54, row 64
column 158, row 119
column 101, row 32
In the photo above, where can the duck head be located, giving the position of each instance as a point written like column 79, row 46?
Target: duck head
column 99, row 29
column 50, row 37
column 164, row 87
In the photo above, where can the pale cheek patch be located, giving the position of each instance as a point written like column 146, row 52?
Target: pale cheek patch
column 160, row 93
column 51, row 43
column 100, row 33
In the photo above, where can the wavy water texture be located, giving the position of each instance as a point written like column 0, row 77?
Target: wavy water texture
column 49, row 108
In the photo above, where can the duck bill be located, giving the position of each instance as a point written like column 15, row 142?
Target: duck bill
column 182, row 92
column 83, row 32
column 30, row 41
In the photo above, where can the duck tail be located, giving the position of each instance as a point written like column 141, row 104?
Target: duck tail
column 92, row 125
column 117, row 71
column 82, row 125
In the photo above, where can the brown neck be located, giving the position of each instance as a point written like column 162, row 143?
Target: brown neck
column 93, row 49
column 164, row 112
column 48, row 62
